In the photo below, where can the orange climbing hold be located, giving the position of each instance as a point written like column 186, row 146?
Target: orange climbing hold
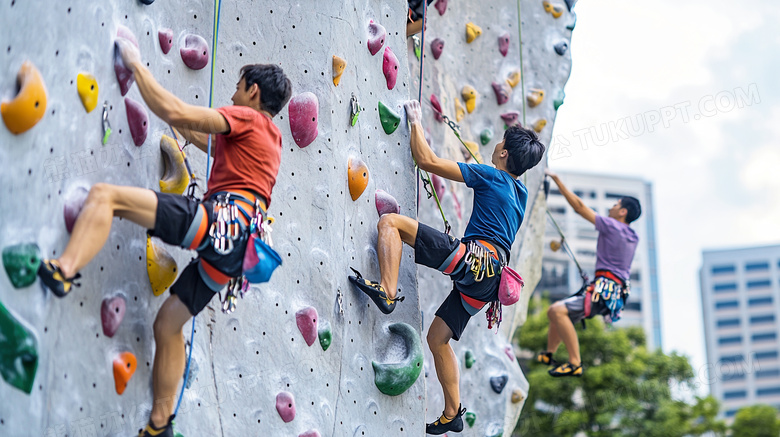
column 517, row 396
column 555, row 10
column 87, row 87
column 339, row 64
column 514, row 78
column 160, row 266
column 175, row 178
column 469, row 95
column 357, row 173
column 124, row 368
column 539, row 125
column 28, row 106
column 472, row 32
column 534, row 97
column 460, row 112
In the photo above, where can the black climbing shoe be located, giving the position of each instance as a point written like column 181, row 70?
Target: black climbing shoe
column 566, row 369
column 375, row 292
column 546, row 359
column 151, row 431
column 453, row 425
column 52, row 277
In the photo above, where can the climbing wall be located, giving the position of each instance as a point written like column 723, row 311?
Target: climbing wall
column 538, row 51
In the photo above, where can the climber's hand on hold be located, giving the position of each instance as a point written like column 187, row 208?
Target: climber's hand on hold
column 413, row 111
column 131, row 56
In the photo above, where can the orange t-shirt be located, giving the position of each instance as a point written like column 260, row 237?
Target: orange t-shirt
column 248, row 157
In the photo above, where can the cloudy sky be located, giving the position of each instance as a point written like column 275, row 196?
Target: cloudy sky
column 685, row 94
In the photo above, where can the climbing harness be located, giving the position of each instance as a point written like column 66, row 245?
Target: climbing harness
column 607, row 291
column 106, row 124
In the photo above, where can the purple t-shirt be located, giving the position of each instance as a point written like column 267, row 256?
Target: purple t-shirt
column 616, row 246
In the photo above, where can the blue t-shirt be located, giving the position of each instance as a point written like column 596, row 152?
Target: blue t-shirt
column 499, row 204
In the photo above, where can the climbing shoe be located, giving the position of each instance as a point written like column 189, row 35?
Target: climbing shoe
column 566, row 369
column 375, row 292
column 444, row 424
column 52, row 277
column 545, row 358
column 151, row 431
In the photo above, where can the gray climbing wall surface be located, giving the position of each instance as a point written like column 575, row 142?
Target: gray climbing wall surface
column 242, row 361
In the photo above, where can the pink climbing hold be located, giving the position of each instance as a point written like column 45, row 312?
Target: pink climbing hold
column 195, row 52
column 441, row 6
column 166, row 39
column 437, row 45
column 73, row 204
column 306, row 319
column 509, row 352
column 310, row 433
column 437, row 108
column 390, row 67
column 376, row 37
column 511, row 118
column 124, row 76
column 138, row 120
column 503, row 44
column 112, row 311
column 303, row 110
column 502, row 90
column 385, row 203
column 285, row 405
column 438, row 185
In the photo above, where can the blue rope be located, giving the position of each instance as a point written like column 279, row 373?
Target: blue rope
column 187, row 369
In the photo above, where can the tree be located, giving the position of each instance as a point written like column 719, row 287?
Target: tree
column 756, row 421
column 626, row 389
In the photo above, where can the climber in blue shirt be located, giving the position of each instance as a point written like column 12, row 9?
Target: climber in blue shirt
column 473, row 263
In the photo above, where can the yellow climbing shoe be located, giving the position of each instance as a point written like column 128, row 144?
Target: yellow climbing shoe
column 566, row 369
column 51, row 275
column 375, row 292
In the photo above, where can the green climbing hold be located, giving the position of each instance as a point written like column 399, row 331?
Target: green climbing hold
column 18, row 352
column 21, row 263
column 470, row 418
column 178, row 434
column 393, row 379
column 390, row 120
column 485, row 136
column 558, row 100
column 325, row 335
column 470, row 359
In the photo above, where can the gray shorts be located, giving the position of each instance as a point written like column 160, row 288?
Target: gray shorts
column 575, row 305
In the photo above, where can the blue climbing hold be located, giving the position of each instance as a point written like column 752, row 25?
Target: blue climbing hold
column 561, row 47
column 497, row 383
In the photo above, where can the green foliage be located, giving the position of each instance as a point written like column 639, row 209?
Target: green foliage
column 756, row 421
column 626, row 389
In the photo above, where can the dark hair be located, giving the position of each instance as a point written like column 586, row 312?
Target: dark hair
column 631, row 204
column 524, row 148
column 275, row 87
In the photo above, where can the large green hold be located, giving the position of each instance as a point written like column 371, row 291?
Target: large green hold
column 470, row 418
column 558, row 100
column 393, row 379
column 390, row 120
column 18, row 352
column 325, row 335
column 470, row 359
column 485, row 136
column 21, row 263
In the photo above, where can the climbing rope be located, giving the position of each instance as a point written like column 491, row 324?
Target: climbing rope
column 522, row 73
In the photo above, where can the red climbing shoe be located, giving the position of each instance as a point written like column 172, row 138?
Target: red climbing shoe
column 375, row 292
column 444, row 424
column 566, row 369
column 51, row 276
column 151, row 431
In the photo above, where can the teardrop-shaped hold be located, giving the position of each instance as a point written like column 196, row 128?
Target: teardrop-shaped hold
column 112, row 311
column 503, row 43
column 124, row 76
column 437, row 108
column 469, row 95
column 390, row 67
column 470, row 418
column 304, row 112
column 437, row 45
column 460, row 111
column 555, row 245
column 393, row 379
column 195, row 52
column 339, row 64
column 306, row 319
column 310, row 433
column 555, row 10
column 503, row 91
column 561, row 47
column 469, row 359
column 87, row 87
column 385, row 203
column 124, row 368
column 175, row 178
column 472, row 32
column 28, row 106
column 517, row 396
column 510, row 118
column 514, row 78
column 285, row 406
column 165, row 36
column 160, row 266
column 485, row 136
column 18, row 352
column 539, row 125
column 558, row 99
column 21, row 262
column 138, row 120
column 497, row 383
column 390, row 119
column 438, row 185
column 376, row 37
column 325, row 335
column 357, row 174
column 74, row 202
column 441, row 6
column 534, row 97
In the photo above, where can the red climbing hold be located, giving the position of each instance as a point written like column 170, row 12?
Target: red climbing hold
column 503, row 44
column 303, row 110
column 437, row 45
column 310, row 433
column 166, row 39
column 376, row 37
column 195, row 52
column 441, row 6
column 502, row 90
column 438, row 185
column 112, row 311
column 510, row 118
column 437, row 108
column 124, row 367
column 124, row 76
column 306, row 319
column 138, row 120
column 285, row 406
column 390, row 67
column 385, row 203
column 73, row 204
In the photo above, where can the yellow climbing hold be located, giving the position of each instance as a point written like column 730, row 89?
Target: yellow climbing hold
column 535, row 97
column 474, row 149
column 470, row 97
column 539, row 125
column 28, row 106
column 514, row 78
column 555, row 10
column 517, row 396
column 339, row 65
column 460, row 112
column 555, row 245
column 87, row 87
column 175, row 176
column 472, row 32
column 160, row 266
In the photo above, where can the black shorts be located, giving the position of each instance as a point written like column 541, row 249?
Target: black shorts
column 184, row 222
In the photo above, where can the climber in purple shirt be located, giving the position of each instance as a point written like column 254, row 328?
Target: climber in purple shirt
column 607, row 294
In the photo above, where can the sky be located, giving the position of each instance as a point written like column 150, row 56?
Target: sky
column 684, row 94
